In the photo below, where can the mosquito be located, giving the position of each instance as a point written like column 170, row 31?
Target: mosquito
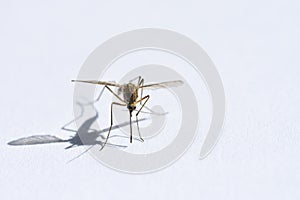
column 127, row 94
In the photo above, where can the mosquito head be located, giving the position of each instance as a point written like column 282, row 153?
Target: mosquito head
column 131, row 107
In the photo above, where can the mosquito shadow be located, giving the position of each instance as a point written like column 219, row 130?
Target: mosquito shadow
column 84, row 133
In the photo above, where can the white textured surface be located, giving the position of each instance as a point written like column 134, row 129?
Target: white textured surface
column 255, row 45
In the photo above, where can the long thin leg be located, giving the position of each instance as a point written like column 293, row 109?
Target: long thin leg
column 141, row 84
column 137, row 119
column 111, row 121
column 97, row 99
column 136, row 78
column 130, row 116
column 114, row 93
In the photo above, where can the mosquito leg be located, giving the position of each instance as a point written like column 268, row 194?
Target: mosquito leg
column 97, row 99
column 141, row 84
column 111, row 121
column 137, row 119
column 114, row 93
column 147, row 98
column 136, row 78
column 130, row 116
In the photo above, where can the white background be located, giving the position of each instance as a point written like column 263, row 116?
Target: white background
column 255, row 46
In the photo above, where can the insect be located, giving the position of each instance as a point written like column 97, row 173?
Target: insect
column 130, row 97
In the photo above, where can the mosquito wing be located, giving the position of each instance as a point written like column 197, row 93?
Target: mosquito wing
column 36, row 139
column 166, row 84
column 98, row 82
